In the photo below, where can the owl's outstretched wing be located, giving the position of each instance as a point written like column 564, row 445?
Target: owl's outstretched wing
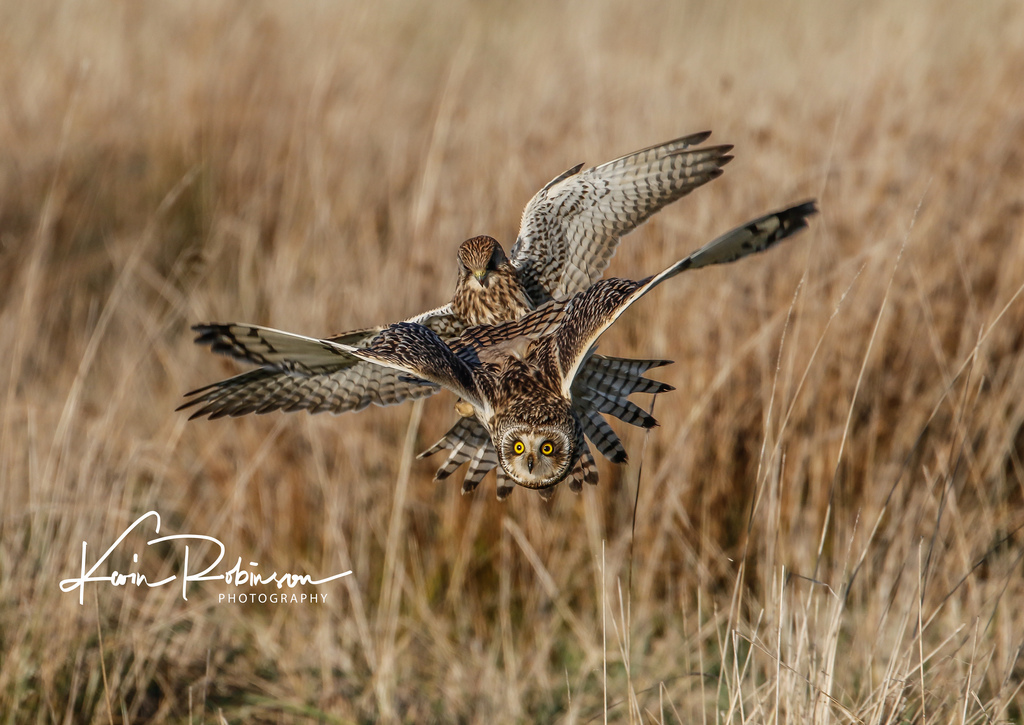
column 304, row 373
column 418, row 352
column 571, row 228
column 592, row 312
column 295, row 373
column 755, row 236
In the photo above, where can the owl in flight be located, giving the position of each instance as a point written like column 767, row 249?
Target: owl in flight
column 568, row 234
column 519, row 376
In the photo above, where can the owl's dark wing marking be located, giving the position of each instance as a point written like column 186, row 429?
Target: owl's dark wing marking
column 592, row 312
column 286, row 350
column 418, row 351
column 602, row 435
column 603, row 385
column 750, row 238
column 295, row 373
column 571, row 228
column 264, row 390
column 304, row 373
column 282, row 350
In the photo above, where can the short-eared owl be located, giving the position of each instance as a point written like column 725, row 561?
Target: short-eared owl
column 568, row 234
column 519, row 376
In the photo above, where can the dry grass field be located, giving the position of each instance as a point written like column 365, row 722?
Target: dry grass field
column 828, row 522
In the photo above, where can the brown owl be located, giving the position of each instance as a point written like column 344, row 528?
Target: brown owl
column 518, row 376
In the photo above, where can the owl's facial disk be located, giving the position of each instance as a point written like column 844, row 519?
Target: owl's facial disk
column 535, row 457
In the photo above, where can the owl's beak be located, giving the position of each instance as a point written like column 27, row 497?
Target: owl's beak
column 529, row 463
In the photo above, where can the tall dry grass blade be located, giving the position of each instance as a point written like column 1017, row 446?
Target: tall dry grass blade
column 628, row 623
column 778, row 639
column 814, row 353
column 957, row 432
column 427, row 194
column 604, row 634
column 622, row 634
column 920, row 635
column 970, row 674
column 111, row 306
column 547, row 582
column 391, row 580
column 510, row 659
column 28, row 313
column 759, row 486
column 700, row 656
column 860, row 376
column 103, row 659
column 781, row 665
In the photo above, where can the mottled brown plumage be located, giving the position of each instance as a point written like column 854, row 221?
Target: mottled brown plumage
column 569, row 232
column 595, row 384
column 488, row 290
column 570, row 229
column 525, row 399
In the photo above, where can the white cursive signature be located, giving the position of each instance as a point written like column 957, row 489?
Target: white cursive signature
column 236, row 575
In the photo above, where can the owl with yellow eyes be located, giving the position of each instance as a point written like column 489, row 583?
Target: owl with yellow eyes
column 518, row 376
column 569, row 232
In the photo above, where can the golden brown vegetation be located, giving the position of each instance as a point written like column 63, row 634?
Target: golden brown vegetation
column 828, row 526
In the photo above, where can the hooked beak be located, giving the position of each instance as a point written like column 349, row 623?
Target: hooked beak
column 480, row 274
column 529, row 463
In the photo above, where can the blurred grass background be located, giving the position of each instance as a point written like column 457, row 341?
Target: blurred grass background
column 828, row 522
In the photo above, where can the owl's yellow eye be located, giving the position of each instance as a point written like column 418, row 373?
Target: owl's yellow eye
column 547, row 449
column 518, row 448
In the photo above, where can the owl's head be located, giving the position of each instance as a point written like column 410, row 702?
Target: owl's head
column 480, row 256
column 536, row 456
